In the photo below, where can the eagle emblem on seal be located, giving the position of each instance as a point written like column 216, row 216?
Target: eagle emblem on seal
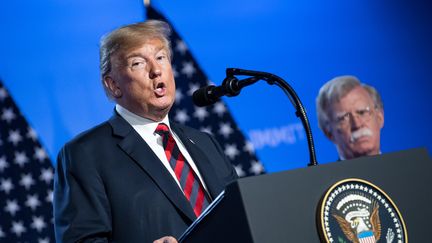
column 361, row 224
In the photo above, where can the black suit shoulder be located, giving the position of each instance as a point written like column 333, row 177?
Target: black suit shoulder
column 90, row 136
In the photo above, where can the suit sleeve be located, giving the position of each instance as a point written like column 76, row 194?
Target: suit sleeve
column 81, row 207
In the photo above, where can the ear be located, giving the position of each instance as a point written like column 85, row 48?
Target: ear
column 328, row 133
column 380, row 117
column 112, row 87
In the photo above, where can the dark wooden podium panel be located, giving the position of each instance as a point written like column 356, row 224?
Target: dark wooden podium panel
column 282, row 207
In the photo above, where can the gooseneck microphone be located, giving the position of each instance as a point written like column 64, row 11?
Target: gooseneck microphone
column 231, row 86
column 211, row 94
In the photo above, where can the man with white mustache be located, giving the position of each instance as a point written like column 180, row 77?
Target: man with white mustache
column 351, row 115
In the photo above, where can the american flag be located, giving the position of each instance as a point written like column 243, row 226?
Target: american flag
column 366, row 237
column 26, row 176
column 215, row 119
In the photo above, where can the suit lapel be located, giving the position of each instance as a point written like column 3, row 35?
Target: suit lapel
column 201, row 160
column 137, row 149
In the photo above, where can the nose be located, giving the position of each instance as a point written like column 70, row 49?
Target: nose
column 356, row 121
column 155, row 69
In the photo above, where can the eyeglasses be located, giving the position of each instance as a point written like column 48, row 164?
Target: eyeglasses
column 364, row 115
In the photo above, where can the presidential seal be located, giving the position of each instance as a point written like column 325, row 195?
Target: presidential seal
column 355, row 210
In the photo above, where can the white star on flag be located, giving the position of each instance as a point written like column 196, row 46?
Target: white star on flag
column 200, row 113
column 174, row 71
column 231, row 151
column 249, row 147
column 49, row 197
column 181, row 47
column 256, row 167
column 3, row 163
column 178, row 96
column 18, row 228
column 40, row 154
column 192, row 88
column 3, row 94
column 6, row 185
column 27, row 181
column 225, row 129
column 219, row 108
column 181, row 116
column 14, row 137
column 12, row 207
column 38, row 223
column 47, row 175
column 31, row 133
column 32, row 201
column 188, row 69
column 20, row 158
column 44, row 240
column 2, row 234
column 8, row 115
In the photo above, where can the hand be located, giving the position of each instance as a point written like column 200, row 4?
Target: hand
column 166, row 239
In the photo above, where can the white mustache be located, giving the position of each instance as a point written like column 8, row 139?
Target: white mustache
column 360, row 133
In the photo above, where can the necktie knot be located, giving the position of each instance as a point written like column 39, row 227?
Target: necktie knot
column 162, row 129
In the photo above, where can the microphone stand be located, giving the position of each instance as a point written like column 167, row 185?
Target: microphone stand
column 236, row 85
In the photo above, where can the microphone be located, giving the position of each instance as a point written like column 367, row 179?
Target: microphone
column 231, row 86
column 209, row 95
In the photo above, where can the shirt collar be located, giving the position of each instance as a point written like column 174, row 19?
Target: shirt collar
column 140, row 122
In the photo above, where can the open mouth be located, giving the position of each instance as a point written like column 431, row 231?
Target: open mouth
column 160, row 89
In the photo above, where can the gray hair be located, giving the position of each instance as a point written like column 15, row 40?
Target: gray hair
column 334, row 90
column 129, row 37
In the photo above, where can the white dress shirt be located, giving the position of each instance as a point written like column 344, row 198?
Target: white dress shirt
column 146, row 129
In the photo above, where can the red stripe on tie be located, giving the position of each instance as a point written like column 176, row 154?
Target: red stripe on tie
column 169, row 148
column 179, row 167
column 199, row 202
column 189, row 184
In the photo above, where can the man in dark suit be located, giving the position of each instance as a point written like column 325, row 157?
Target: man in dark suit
column 137, row 177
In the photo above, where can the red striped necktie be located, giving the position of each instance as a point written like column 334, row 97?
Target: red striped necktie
column 189, row 181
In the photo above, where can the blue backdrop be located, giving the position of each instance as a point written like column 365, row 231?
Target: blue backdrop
column 49, row 63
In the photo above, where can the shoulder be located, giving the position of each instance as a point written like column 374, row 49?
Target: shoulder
column 89, row 151
column 90, row 144
column 91, row 135
column 115, row 127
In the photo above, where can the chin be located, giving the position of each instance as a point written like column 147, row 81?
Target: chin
column 164, row 107
column 163, row 103
column 364, row 151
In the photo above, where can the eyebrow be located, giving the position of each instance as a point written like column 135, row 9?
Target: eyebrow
column 138, row 54
column 342, row 113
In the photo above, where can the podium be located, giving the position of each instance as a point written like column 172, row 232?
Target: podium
column 283, row 206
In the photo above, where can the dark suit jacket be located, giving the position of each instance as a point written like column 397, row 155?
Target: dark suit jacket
column 111, row 187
